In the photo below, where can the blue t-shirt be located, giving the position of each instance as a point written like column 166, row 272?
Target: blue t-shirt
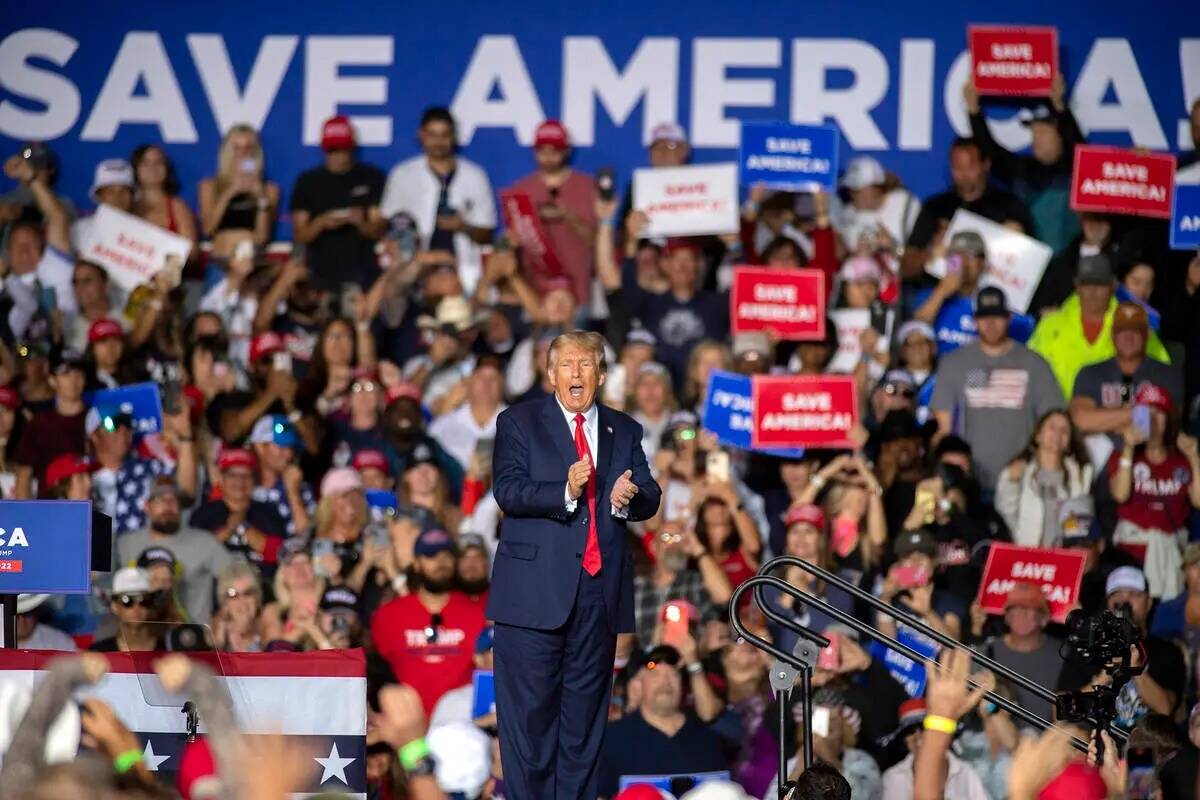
column 955, row 323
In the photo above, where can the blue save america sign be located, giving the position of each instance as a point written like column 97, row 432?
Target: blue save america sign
column 1185, row 217
column 797, row 158
column 729, row 412
column 908, row 673
column 141, row 401
column 45, row 546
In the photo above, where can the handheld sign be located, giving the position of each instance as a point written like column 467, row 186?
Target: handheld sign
column 131, row 250
column 1013, row 61
column 45, row 546
column 1185, row 217
column 1110, row 180
column 687, row 201
column 141, row 401
column 908, row 673
column 793, row 158
column 729, row 412
column 665, row 783
column 789, row 302
column 1015, row 261
column 483, row 688
column 1058, row 572
column 522, row 220
column 804, row 410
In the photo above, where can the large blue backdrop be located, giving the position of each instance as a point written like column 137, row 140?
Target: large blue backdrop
column 97, row 79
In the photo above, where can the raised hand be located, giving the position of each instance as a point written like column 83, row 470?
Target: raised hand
column 623, row 490
column 578, row 476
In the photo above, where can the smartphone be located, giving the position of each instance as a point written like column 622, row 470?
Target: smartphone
column 844, row 535
column 927, row 502
column 282, row 362
column 244, row 251
column 830, row 657
column 1141, row 419
column 485, row 447
column 171, row 392
column 403, row 230
column 910, row 577
column 321, row 547
column 953, row 264
column 351, row 296
column 606, row 183
column 249, row 166
column 675, row 623
column 820, row 721
column 716, row 466
column 1140, row 783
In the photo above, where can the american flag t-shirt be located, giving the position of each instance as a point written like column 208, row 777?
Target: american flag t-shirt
column 996, row 388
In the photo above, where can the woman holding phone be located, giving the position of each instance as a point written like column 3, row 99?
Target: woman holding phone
column 238, row 204
column 1155, row 480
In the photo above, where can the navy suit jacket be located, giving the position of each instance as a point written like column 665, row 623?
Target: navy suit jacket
column 538, row 560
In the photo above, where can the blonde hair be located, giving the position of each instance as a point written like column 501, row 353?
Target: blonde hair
column 588, row 340
column 225, row 165
column 324, row 513
column 283, row 596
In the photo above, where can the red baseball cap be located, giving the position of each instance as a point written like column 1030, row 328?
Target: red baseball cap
column 265, row 344
column 104, row 329
column 551, row 133
column 67, row 465
column 1148, row 394
column 371, row 459
column 404, row 390
column 808, row 513
column 236, row 457
column 10, row 397
column 337, row 134
column 197, row 776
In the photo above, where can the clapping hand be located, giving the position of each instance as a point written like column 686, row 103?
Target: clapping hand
column 578, row 476
column 623, row 490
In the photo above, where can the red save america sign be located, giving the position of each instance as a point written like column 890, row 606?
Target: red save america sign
column 1057, row 572
column 1013, row 61
column 789, row 302
column 1111, row 180
column 521, row 218
column 803, row 410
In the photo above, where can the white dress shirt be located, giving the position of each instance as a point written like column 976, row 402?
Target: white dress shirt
column 413, row 188
column 458, row 433
column 591, row 419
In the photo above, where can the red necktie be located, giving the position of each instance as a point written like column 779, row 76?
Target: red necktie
column 591, row 552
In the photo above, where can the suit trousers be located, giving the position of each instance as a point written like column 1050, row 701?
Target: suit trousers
column 552, row 695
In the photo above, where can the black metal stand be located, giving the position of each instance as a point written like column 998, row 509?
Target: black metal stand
column 9, row 621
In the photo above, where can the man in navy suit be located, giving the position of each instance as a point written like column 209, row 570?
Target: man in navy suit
column 569, row 475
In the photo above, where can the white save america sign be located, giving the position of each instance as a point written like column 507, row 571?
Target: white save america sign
column 688, row 201
column 130, row 249
column 1015, row 261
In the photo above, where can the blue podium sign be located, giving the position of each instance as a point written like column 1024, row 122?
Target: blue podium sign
column 45, row 546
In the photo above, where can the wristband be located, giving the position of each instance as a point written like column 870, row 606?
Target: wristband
column 412, row 754
column 606, row 222
column 818, row 481
column 694, row 668
column 940, row 724
column 1125, row 463
column 127, row 761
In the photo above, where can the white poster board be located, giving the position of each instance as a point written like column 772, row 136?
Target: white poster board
column 1015, row 261
column 688, row 201
column 850, row 323
column 131, row 250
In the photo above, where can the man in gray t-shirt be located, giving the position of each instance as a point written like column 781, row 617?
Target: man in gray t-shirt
column 199, row 554
column 993, row 391
column 1102, row 400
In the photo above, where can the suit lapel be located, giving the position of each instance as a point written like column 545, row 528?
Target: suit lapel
column 560, row 432
column 604, row 442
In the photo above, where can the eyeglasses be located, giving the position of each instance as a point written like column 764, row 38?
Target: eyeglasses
column 899, row 389
column 362, row 386
column 431, row 630
column 670, row 538
column 149, row 600
column 234, row 594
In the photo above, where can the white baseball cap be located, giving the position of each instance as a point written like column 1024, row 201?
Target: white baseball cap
column 112, row 172
column 916, row 326
column 131, row 580
column 463, row 754
column 862, row 172
column 1130, row 578
column 717, row 790
column 668, row 132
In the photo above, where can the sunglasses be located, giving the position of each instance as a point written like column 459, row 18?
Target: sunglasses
column 431, row 630
column 671, row 538
column 362, row 386
column 904, row 391
column 149, row 600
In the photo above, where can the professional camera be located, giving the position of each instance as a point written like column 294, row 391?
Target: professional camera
column 1103, row 638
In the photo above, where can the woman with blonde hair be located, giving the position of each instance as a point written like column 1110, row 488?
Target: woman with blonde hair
column 854, row 503
column 298, row 589
column 238, row 204
column 341, row 517
column 706, row 356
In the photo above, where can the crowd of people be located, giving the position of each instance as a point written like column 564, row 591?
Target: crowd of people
column 320, row 475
